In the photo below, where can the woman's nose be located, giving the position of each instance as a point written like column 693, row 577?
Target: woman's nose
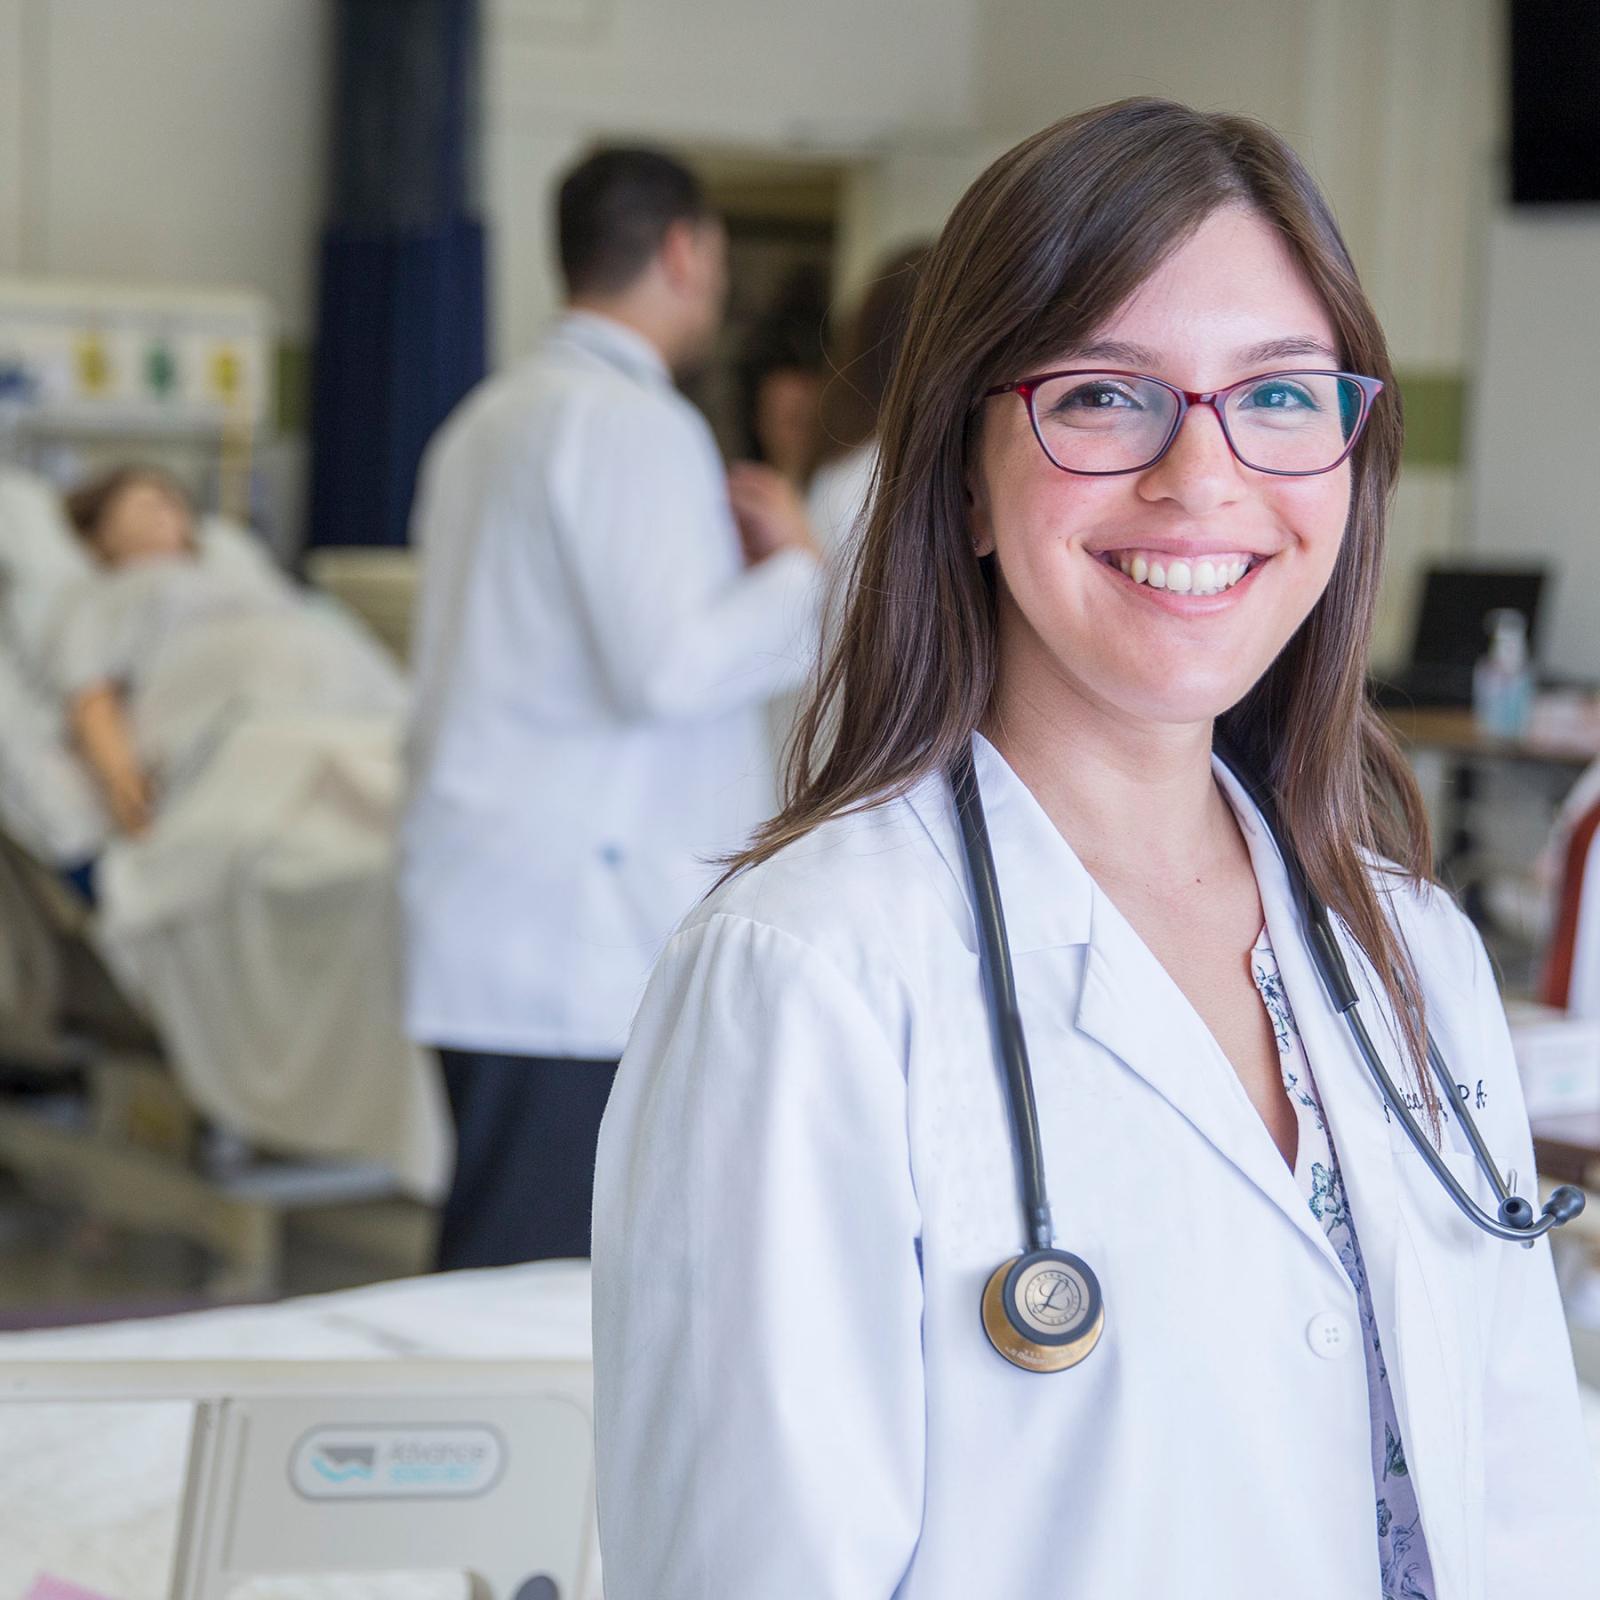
column 1199, row 470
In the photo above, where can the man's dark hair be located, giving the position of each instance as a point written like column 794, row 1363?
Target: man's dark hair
column 614, row 210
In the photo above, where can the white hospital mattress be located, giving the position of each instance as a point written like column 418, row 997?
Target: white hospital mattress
column 90, row 1494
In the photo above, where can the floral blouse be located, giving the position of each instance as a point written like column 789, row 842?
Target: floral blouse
column 1402, row 1552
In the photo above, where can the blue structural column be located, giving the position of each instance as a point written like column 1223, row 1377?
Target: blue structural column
column 401, row 298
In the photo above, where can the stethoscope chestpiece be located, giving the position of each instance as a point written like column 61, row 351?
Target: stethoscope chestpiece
column 1043, row 1311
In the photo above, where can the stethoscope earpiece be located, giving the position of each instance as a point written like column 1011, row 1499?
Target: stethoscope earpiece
column 1043, row 1311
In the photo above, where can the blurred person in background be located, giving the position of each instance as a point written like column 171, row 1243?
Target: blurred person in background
column 782, row 373
column 847, row 419
column 837, row 494
column 601, row 620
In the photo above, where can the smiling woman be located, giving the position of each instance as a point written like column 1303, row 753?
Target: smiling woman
column 1195, row 258
column 1103, row 656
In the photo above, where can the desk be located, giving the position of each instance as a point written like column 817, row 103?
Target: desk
column 1556, row 748
column 1455, row 732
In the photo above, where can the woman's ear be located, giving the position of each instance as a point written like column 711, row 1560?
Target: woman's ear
column 978, row 516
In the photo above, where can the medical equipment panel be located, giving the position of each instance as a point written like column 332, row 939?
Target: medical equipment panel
column 322, row 1467
column 91, row 368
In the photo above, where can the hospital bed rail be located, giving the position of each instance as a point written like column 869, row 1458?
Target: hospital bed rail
column 313, row 1468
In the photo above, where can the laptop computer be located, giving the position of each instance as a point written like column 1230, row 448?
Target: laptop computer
column 1452, row 631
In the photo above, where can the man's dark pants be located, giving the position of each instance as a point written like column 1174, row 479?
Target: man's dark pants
column 526, row 1129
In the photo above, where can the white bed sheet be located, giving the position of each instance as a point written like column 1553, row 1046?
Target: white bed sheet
column 89, row 1493
column 258, row 924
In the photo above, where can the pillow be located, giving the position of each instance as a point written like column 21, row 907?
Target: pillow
column 40, row 560
column 229, row 547
column 48, row 803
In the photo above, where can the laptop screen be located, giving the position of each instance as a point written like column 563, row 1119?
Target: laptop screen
column 1452, row 630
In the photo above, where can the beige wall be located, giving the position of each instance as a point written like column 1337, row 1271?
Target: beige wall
column 181, row 140
column 172, row 141
column 1393, row 103
column 13, row 141
column 849, row 78
column 1535, row 460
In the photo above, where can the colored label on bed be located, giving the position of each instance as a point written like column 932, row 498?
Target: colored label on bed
column 427, row 1462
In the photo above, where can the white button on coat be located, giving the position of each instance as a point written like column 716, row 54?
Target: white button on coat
column 593, row 661
column 806, row 1176
column 1330, row 1334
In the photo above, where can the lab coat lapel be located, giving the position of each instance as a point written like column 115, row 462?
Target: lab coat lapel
column 1130, row 1004
column 1421, row 1347
column 1126, row 1001
column 1066, row 936
column 1349, row 1097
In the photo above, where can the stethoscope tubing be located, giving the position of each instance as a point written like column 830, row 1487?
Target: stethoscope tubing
column 1011, row 1045
column 1005, row 1016
column 1334, row 972
column 1424, row 1146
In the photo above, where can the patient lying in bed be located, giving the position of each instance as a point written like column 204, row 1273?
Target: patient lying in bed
column 247, row 736
column 158, row 655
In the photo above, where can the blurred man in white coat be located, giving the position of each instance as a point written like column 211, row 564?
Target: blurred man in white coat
column 600, row 623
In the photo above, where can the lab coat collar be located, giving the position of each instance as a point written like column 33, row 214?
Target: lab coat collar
column 1131, row 1004
column 1127, row 1001
column 614, row 343
column 1029, row 852
column 1357, row 1126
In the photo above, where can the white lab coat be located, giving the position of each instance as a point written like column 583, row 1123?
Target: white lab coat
column 806, row 1175
column 593, row 660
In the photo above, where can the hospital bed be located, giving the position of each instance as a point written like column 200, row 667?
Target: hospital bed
column 175, row 1116
column 187, row 1456
column 379, row 586
column 437, row 1432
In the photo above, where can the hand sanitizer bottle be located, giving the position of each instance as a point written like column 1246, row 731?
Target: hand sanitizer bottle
column 1502, row 682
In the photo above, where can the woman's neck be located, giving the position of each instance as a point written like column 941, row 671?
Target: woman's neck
column 1135, row 800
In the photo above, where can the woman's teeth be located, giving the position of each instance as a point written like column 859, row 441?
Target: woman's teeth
column 1210, row 575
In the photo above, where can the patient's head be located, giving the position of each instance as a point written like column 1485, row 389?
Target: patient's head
column 133, row 513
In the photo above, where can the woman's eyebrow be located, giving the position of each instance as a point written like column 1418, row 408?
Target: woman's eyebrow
column 1148, row 360
column 1278, row 349
column 1129, row 355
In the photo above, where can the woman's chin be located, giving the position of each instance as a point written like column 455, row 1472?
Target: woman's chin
column 1173, row 704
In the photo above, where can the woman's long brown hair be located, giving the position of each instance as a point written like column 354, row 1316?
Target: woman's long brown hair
column 1039, row 252
column 855, row 393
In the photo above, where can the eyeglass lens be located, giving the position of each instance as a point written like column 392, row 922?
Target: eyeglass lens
column 1108, row 422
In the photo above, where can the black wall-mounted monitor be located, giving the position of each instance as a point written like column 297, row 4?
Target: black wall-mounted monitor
column 1555, row 102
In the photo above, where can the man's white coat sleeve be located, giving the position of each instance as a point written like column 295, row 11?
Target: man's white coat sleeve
column 680, row 627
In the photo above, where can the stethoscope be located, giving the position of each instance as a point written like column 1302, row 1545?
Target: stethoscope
column 1043, row 1310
